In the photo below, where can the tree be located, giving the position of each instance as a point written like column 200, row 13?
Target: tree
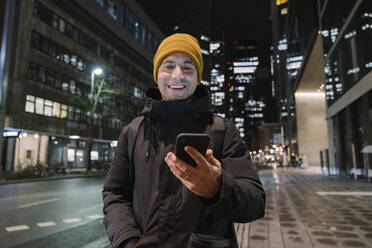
column 100, row 92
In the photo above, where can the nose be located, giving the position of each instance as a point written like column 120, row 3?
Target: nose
column 178, row 72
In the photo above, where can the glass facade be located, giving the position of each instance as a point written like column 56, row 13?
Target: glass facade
column 334, row 17
column 351, row 58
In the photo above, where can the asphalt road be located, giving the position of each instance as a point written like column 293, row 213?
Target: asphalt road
column 57, row 213
column 304, row 209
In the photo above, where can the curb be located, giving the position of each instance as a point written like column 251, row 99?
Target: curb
column 49, row 178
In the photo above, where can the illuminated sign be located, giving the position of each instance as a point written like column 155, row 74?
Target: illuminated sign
column 279, row 2
column 10, row 134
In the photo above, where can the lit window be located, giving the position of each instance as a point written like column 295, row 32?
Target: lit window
column 101, row 2
column 65, row 84
column 112, row 9
column 56, row 109
column 70, row 113
column 80, row 65
column 30, row 104
column 74, row 60
column 62, row 25
column 66, row 58
column 39, row 105
column 63, row 111
column 72, row 86
column 48, row 108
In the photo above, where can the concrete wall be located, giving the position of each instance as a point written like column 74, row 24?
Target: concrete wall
column 312, row 125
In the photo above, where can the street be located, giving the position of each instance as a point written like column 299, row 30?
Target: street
column 304, row 209
column 57, row 213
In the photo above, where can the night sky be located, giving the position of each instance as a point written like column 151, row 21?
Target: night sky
column 242, row 20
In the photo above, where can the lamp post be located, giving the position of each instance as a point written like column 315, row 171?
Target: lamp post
column 97, row 71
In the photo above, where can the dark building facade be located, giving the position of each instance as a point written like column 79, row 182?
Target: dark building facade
column 322, row 65
column 56, row 47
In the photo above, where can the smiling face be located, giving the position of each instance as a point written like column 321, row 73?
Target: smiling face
column 177, row 77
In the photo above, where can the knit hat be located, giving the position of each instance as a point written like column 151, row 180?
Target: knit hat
column 179, row 42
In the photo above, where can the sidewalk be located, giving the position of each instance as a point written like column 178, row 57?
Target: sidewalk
column 305, row 209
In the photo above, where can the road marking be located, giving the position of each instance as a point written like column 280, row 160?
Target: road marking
column 46, row 224
column 39, row 202
column 73, row 220
column 345, row 193
column 17, row 228
column 95, row 217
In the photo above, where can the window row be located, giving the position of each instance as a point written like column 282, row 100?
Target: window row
column 351, row 59
column 118, row 10
column 62, row 82
column 51, row 48
column 52, row 19
column 50, row 108
column 115, row 9
column 57, row 80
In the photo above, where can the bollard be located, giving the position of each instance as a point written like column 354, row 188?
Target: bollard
column 327, row 161
column 321, row 161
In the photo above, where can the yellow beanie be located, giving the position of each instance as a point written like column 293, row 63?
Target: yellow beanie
column 179, row 43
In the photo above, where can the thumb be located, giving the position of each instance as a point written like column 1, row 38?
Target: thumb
column 211, row 159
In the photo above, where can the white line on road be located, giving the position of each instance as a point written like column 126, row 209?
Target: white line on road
column 73, row 220
column 95, row 217
column 345, row 193
column 17, row 228
column 46, row 224
column 39, row 202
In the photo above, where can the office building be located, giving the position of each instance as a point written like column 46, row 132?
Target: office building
column 323, row 69
column 55, row 47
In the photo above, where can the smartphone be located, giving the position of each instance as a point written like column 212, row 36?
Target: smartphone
column 199, row 141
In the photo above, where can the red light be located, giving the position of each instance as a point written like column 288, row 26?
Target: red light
column 228, row 62
column 223, row 43
column 228, row 84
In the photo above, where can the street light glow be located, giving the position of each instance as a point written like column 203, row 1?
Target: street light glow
column 97, row 71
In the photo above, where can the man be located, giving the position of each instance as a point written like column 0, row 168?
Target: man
column 154, row 199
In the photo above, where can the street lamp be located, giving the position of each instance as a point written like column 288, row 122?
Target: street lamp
column 97, row 71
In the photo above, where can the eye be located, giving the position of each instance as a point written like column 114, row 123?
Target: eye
column 187, row 68
column 169, row 66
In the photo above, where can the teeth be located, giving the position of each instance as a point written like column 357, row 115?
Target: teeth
column 176, row 86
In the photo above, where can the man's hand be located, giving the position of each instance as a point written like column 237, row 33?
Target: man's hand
column 204, row 179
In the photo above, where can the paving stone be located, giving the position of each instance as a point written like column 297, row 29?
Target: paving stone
column 297, row 217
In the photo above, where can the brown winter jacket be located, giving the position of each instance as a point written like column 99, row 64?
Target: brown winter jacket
column 154, row 205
